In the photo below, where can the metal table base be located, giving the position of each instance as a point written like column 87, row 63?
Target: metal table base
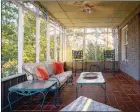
column 31, row 92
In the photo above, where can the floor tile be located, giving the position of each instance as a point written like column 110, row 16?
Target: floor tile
column 122, row 93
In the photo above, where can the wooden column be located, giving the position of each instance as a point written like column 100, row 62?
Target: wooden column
column 20, row 39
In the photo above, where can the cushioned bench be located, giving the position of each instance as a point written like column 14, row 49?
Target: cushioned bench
column 62, row 78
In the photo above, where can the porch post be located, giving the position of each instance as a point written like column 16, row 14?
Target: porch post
column 115, row 39
column 37, row 35
column 48, row 41
column 55, row 45
column 20, row 39
column 84, row 43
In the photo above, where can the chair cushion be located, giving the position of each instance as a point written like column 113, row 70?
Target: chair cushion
column 62, row 79
column 42, row 73
column 58, row 68
column 67, row 73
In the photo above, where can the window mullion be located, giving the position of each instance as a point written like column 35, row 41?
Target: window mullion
column 60, row 47
column 96, row 35
column 115, row 39
column 20, row 39
column 55, row 45
column 48, row 41
column 37, row 36
column 84, row 43
column 65, row 44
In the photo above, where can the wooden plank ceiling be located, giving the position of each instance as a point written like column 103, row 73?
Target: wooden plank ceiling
column 103, row 13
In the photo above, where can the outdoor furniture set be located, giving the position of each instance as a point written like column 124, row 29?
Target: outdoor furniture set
column 91, row 78
column 39, row 85
column 62, row 78
column 55, row 83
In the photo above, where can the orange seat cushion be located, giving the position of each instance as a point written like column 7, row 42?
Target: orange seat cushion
column 58, row 68
column 42, row 73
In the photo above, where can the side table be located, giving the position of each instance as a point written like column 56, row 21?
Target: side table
column 29, row 88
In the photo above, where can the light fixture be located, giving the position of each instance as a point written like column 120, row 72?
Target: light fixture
column 87, row 9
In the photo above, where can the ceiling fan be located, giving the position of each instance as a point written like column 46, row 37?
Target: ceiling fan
column 89, row 7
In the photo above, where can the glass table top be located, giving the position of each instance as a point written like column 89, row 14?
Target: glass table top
column 97, row 78
column 35, row 85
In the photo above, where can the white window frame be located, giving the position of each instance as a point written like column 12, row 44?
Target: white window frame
column 115, row 39
column 124, row 43
column 20, row 38
column 37, row 36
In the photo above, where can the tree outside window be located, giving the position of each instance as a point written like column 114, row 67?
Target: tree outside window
column 9, row 38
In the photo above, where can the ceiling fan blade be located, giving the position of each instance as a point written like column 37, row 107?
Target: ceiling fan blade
column 104, row 9
column 94, row 3
column 82, row 3
column 78, row 3
column 70, row 3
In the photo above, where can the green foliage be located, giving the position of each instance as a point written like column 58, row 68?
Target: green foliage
column 69, row 53
column 9, row 38
column 90, row 52
column 29, row 37
column 43, row 40
column 58, row 46
column 94, row 52
column 52, row 46
column 74, row 42
column 94, row 49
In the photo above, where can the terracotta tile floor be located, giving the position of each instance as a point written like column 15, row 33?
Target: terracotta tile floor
column 122, row 94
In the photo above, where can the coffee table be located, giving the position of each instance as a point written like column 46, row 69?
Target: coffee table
column 97, row 79
column 29, row 88
column 87, row 105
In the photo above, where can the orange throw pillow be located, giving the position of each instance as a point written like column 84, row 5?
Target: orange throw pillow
column 42, row 73
column 58, row 68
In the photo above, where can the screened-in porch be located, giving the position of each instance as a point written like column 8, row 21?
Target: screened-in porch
column 41, row 33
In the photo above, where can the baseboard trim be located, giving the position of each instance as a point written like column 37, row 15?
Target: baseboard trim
column 131, row 78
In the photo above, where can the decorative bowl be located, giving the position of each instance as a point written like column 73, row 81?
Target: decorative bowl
column 90, row 76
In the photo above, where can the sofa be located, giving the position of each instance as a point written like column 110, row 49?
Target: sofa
column 62, row 78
